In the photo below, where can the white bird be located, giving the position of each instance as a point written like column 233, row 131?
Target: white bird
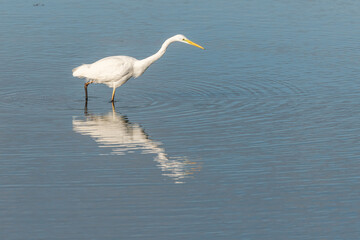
column 114, row 71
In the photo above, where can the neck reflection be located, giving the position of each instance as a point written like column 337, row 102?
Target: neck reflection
column 123, row 137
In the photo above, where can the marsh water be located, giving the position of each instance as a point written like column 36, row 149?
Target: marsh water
column 257, row 137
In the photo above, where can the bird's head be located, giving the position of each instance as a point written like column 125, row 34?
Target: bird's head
column 183, row 39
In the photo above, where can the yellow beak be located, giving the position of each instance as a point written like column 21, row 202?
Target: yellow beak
column 194, row 44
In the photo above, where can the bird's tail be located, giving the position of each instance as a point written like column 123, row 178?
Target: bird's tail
column 75, row 69
column 79, row 71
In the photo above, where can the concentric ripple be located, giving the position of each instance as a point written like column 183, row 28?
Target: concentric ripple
column 222, row 97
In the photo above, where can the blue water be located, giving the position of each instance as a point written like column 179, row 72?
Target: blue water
column 257, row 137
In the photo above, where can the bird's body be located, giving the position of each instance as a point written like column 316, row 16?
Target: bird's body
column 114, row 71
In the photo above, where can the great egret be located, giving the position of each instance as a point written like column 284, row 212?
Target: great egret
column 114, row 71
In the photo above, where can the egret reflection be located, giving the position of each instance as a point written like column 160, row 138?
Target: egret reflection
column 114, row 130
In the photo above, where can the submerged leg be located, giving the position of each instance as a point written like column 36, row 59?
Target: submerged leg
column 85, row 109
column 113, row 95
column 113, row 107
column 85, row 87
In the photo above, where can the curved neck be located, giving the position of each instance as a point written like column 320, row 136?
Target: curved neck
column 150, row 60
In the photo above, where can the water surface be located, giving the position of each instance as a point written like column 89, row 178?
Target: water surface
column 255, row 138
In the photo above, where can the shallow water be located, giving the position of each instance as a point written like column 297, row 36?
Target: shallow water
column 255, row 138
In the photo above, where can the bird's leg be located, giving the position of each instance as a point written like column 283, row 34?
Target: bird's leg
column 85, row 109
column 113, row 95
column 85, row 87
column 113, row 107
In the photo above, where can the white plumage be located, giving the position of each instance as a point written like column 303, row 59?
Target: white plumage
column 116, row 70
column 112, row 71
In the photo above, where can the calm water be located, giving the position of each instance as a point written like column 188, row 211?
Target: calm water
column 255, row 138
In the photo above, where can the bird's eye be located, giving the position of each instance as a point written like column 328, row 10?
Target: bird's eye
column 183, row 39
